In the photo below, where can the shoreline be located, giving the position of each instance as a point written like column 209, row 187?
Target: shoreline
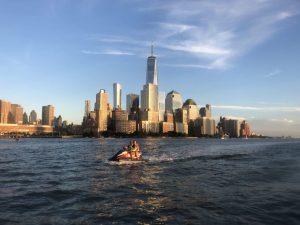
column 137, row 137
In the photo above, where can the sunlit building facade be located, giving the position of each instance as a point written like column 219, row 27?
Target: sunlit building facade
column 5, row 110
column 205, row 126
column 16, row 113
column 161, row 105
column 101, row 109
column 205, row 111
column 117, row 96
column 149, row 111
column 192, row 109
column 48, row 115
column 173, row 101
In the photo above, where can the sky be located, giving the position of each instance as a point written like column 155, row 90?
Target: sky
column 240, row 56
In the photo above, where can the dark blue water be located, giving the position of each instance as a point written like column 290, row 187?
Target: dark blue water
column 182, row 181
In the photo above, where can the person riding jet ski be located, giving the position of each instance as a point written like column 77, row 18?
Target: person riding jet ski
column 128, row 153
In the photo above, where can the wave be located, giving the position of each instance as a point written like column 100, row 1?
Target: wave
column 125, row 162
column 170, row 159
column 197, row 157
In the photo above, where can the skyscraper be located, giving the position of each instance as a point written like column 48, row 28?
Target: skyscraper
column 132, row 103
column 205, row 111
column 5, row 108
column 117, row 96
column 149, row 94
column 151, row 69
column 161, row 105
column 245, row 129
column 17, row 113
column 173, row 101
column 149, row 98
column 87, row 108
column 149, row 115
column 101, row 107
column 205, row 126
column 33, row 117
column 48, row 115
column 25, row 118
column 229, row 126
column 192, row 109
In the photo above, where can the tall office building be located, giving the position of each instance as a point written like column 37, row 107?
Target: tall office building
column 149, row 94
column 149, row 115
column 33, row 117
column 151, row 69
column 58, row 122
column 87, row 108
column 117, row 96
column 48, row 115
column 205, row 126
column 205, row 111
column 229, row 126
column 132, row 103
column 192, row 114
column 192, row 109
column 25, row 118
column 5, row 108
column 173, row 101
column 17, row 113
column 101, row 109
column 181, row 120
column 149, row 98
column 161, row 105
column 245, row 129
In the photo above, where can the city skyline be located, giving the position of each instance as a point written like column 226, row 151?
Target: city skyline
column 244, row 64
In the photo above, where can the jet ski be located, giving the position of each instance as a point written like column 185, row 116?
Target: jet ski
column 124, row 155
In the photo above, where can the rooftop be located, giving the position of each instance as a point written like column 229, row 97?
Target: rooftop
column 189, row 102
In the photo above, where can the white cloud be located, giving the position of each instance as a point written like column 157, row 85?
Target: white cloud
column 236, row 107
column 90, row 52
column 273, row 73
column 285, row 120
column 216, row 32
column 107, row 52
column 197, row 48
column 254, row 108
column 117, row 52
column 174, row 28
column 188, row 65
column 212, row 34
column 284, row 15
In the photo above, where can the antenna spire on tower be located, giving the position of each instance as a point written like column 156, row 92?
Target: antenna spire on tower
column 152, row 48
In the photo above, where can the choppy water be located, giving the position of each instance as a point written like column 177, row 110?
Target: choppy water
column 183, row 181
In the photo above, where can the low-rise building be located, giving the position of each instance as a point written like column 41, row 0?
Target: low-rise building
column 166, row 127
column 28, row 129
column 149, row 127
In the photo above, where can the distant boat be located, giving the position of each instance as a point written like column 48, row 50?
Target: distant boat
column 223, row 137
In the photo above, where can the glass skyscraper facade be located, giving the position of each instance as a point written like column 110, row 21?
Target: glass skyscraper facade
column 151, row 77
column 117, row 96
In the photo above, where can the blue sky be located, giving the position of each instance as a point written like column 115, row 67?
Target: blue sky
column 240, row 56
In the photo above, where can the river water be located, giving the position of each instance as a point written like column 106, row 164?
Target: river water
column 181, row 181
